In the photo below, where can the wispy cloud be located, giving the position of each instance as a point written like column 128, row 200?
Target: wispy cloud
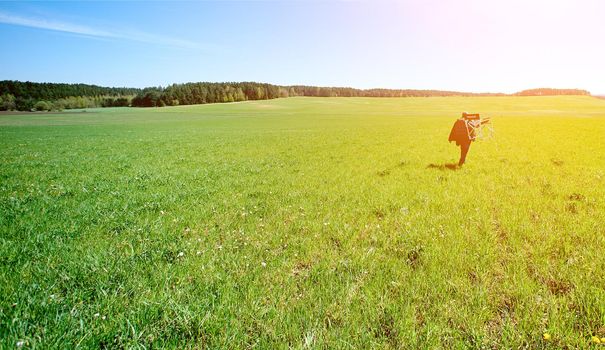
column 129, row 35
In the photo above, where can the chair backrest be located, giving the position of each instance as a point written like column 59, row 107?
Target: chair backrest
column 471, row 116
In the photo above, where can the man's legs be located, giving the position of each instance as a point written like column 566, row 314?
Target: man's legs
column 463, row 151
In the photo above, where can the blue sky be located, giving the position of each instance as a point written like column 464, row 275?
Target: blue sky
column 466, row 45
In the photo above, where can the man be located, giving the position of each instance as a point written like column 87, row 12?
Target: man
column 464, row 134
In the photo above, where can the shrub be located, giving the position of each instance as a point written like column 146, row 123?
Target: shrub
column 42, row 106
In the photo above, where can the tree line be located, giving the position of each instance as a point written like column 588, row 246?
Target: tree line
column 551, row 92
column 29, row 96
column 199, row 93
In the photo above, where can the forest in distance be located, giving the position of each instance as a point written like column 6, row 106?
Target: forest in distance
column 31, row 96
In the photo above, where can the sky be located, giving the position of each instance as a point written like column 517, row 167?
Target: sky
column 464, row 45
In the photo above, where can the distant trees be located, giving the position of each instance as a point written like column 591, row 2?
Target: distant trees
column 116, row 102
column 551, row 92
column 24, row 104
column 149, row 97
column 301, row 90
column 7, row 102
column 24, row 96
column 199, row 93
column 42, row 106
column 28, row 96
column 205, row 92
column 52, row 91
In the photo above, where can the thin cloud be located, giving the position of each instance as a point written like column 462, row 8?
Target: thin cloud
column 95, row 32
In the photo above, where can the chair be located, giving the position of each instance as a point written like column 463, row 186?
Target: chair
column 477, row 127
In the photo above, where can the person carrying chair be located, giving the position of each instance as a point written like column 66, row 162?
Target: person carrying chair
column 466, row 130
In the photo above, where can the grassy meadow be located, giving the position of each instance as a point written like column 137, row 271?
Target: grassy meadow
column 324, row 223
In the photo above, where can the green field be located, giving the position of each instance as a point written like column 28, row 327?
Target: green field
column 304, row 223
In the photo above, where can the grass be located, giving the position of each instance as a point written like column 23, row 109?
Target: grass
column 304, row 223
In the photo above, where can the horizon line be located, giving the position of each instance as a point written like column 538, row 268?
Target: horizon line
column 318, row 86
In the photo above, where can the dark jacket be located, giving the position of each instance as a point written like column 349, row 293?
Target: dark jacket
column 459, row 133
